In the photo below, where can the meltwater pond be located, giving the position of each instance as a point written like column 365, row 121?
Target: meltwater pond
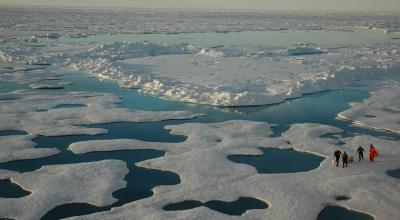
column 337, row 212
column 394, row 173
column 237, row 207
column 9, row 189
column 276, row 160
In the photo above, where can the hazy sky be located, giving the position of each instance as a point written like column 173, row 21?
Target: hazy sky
column 392, row 5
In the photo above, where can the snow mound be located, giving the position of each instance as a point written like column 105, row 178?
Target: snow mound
column 304, row 49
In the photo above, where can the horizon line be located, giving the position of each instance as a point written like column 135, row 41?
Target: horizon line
column 128, row 8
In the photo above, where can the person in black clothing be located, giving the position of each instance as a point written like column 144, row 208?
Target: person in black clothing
column 337, row 155
column 344, row 158
column 360, row 152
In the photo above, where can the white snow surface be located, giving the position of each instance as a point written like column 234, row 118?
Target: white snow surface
column 55, row 185
column 380, row 111
column 206, row 173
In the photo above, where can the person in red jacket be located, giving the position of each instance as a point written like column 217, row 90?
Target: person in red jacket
column 372, row 153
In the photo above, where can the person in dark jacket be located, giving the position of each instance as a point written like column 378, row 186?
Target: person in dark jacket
column 344, row 158
column 360, row 151
column 337, row 155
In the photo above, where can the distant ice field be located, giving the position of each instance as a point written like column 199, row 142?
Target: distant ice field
column 273, row 39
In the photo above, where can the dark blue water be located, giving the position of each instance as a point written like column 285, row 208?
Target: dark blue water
column 12, row 132
column 9, row 189
column 237, row 207
column 276, row 160
column 337, row 212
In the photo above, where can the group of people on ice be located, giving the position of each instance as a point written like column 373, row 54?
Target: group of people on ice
column 360, row 150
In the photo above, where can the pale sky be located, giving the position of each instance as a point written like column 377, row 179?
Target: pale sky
column 391, row 5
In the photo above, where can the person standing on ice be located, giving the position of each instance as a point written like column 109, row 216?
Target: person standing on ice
column 344, row 158
column 360, row 151
column 372, row 153
column 337, row 155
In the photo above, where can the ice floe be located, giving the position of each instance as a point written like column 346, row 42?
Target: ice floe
column 380, row 111
column 207, row 174
column 21, row 147
column 55, row 185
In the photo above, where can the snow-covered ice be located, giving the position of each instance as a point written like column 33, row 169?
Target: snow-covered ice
column 207, row 174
